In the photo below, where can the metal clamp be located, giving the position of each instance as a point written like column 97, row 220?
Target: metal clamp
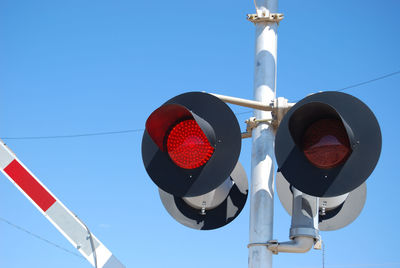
column 281, row 107
column 269, row 243
column 263, row 17
column 273, row 246
column 252, row 122
column 318, row 243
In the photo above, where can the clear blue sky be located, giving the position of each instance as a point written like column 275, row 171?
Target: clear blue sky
column 72, row 67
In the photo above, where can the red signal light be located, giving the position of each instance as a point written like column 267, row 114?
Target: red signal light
column 180, row 142
column 326, row 144
column 188, row 146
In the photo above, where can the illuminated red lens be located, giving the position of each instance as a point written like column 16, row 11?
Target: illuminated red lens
column 188, row 146
column 326, row 144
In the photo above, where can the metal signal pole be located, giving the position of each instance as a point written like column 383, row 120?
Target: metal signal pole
column 262, row 159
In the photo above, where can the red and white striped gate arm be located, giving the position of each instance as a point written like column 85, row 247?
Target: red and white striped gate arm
column 56, row 212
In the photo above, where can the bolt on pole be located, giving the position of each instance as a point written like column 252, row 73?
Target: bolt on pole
column 262, row 159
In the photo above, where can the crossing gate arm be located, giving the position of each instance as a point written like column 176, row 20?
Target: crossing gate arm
column 66, row 222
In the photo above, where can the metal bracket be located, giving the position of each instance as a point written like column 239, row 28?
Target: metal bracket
column 246, row 135
column 322, row 210
column 263, row 17
column 252, row 122
column 318, row 243
column 278, row 107
column 281, row 107
column 273, row 246
column 203, row 208
column 269, row 243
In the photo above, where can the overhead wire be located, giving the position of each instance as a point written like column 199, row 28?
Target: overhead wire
column 140, row 129
column 74, row 135
column 365, row 82
column 86, row 134
column 39, row 237
column 368, row 81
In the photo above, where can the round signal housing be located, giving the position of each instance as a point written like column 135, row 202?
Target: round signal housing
column 334, row 212
column 213, row 209
column 191, row 144
column 188, row 146
column 326, row 144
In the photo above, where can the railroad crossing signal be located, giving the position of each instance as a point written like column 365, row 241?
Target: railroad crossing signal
column 190, row 150
column 328, row 144
column 326, row 147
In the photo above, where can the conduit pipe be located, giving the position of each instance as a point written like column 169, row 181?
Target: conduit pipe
column 304, row 229
column 299, row 244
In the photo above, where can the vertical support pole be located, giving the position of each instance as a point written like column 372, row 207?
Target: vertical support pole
column 262, row 158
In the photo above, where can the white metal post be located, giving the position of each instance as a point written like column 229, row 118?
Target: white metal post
column 262, row 159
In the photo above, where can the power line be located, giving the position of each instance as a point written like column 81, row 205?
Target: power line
column 86, row 134
column 368, row 81
column 74, row 135
column 39, row 237
column 357, row 84
column 140, row 130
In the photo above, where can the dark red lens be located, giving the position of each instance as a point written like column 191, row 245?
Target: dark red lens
column 188, row 146
column 326, row 144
